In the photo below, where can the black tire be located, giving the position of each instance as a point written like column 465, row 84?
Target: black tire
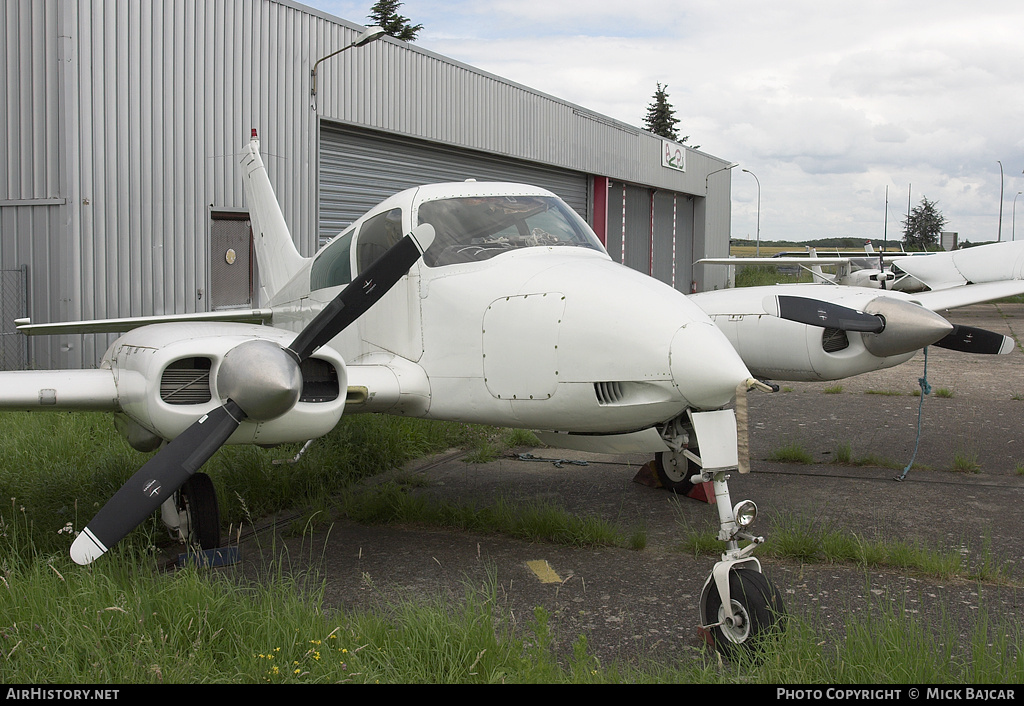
column 678, row 481
column 755, row 601
column 198, row 499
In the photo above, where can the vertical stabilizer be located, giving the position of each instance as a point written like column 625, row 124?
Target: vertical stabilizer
column 816, row 273
column 276, row 255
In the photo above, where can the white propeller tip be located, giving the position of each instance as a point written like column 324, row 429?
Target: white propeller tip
column 423, row 234
column 86, row 548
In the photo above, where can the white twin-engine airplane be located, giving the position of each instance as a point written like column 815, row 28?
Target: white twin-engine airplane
column 499, row 307
column 903, row 272
column 867, row 270
column 866, row 326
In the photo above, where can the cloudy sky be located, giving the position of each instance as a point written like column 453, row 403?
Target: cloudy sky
column 829, row 104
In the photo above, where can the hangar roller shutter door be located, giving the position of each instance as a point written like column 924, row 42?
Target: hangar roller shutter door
column 652, row 231
column 361, row 168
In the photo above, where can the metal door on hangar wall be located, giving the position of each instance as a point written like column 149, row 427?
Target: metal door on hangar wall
column 232, row 266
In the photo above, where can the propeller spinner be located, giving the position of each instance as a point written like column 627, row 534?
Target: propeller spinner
column 258, row 380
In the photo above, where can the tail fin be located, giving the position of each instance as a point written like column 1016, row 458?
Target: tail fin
column 816, row 273
column 276, row 255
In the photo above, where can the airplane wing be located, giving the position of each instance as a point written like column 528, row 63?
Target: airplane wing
column 59, row 390
column 996, row 262
column 794, row 260
column 247, row 316
column 965, row 295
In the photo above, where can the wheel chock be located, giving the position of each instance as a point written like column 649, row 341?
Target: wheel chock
column 647, row 476
column 704, row 492
column 706, row 636
column 209, row 558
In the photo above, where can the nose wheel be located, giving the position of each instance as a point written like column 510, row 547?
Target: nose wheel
column 757, row 611
column 674, row 472
column 199, row 512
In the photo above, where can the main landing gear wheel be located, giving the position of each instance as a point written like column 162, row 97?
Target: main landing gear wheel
column 757, row 612
column 198, row 500
column 674, row 471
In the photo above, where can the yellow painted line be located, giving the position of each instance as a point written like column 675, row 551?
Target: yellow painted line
column 544, row 572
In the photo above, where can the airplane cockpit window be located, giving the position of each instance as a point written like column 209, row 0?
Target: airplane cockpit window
column 376, row 236
column 332, row 267
column 470, row 229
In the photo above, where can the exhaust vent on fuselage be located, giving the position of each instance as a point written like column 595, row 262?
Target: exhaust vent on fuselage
column 186, row 381
column 608, row 392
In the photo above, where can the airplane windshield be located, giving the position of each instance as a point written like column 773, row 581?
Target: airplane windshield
column 470, row 229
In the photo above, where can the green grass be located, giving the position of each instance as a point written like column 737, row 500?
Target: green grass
column 390, row 503
column 121, row 621
column 833, row 390
column 791, row 453
column 61, row 467
column 115, row 624
column 844, row 453
column 965, row 461
column 800, row 538
column 764, row 275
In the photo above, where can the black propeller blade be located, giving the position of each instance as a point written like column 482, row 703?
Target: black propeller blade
column 168, row 470
column 968, row 339
column 372, row 284
column 155, row 482
column 815, row 312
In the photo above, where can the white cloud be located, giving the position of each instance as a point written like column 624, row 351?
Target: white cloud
column 828, row 103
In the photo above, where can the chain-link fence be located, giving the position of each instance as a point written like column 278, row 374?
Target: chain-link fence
column 13, row 305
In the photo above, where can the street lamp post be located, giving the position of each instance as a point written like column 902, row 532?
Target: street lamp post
column 731, row 166
column 758, row 249
column 999, row 237
column 370, row 34
column 1013, row 217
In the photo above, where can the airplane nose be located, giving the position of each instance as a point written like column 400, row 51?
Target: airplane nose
column 705, row 367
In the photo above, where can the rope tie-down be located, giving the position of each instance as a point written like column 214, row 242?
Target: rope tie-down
column 926, row 389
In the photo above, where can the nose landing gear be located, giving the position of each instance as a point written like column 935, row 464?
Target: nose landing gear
column 738, row 605
column 193, row 515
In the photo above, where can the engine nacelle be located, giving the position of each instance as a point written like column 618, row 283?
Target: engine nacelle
column 780, row 349
column 777, row 349
column 167, row 378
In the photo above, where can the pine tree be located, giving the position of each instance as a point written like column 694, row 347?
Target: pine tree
column 922, row 227
column 661, row 117
column 384, row 13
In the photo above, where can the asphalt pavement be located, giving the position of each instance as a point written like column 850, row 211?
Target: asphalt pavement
column 963, row 495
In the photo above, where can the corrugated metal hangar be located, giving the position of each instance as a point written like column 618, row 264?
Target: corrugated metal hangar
column 121, row 192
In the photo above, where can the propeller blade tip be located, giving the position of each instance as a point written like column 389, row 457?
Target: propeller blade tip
column 423, row 234
column 86, row 548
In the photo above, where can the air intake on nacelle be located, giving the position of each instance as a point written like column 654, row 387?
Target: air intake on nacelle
column 319, row 381
column 186, row 381
column 834, row 340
